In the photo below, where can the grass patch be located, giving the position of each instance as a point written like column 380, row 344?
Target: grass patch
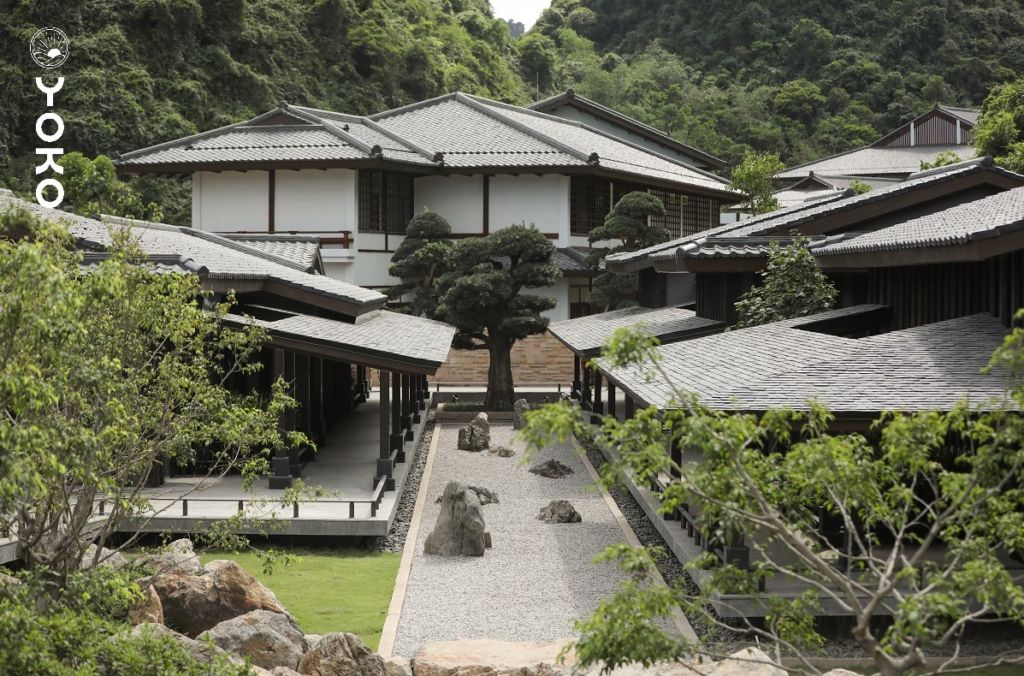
column 330, row 589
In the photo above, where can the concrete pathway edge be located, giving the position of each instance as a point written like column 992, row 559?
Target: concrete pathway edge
column 390, row 631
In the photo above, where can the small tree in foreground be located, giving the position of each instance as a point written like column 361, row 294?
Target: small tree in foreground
column 628, row 226
column 915, row 521
column 481, row 296
column 755, row 178
column 105, row 374
column 791, row 286
column 420, row 259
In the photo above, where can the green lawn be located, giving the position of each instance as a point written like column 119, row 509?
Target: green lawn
column 330, row 589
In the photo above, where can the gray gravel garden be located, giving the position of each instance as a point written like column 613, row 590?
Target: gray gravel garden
column 537, row 578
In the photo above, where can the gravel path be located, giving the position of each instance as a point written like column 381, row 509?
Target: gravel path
column 538, row 577
column 394, row 541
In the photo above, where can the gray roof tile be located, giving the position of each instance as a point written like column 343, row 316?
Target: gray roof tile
column 780, row 365
column 300, row 249
column 587, row 335
column 878, row 161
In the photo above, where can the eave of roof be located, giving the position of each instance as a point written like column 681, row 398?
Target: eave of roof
column 569, row 97
column 586, row 336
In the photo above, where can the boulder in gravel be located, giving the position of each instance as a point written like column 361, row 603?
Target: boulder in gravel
column 486, row 495
column 552, row 469
column 107, row 557
column 148, row 609
column 519, row 409
column 840, row 672
column 397, row 666
column 502, row 451
column 559, row 511
column 476, row 436
column 194, row 603
column 482, row 657
column 747, row 662
column 268, row 639
column 342, row 654
column 459, row 530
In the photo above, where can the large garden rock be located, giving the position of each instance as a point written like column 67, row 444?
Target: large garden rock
column 194, row 603
column 482, row 657
column 148, row 609
column 177, row 557
column 459, row 530
column 519, row 409
column 341, row 654
column 840, row 672
column 747, row 662
column 107, row 557
column 502, row 451
column 476, row 436
column 269, row 639
column 559, row 511
column 552, row 469
column 397, row 666
column 201, row 651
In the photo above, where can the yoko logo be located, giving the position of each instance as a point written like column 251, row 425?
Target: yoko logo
column 49, row 47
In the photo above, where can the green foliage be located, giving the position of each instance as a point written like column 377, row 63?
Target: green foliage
column 105, row 374
column 147, row 72
column 755, row 178
column 1000, row 130
column 943, row 159
column 858, row 187
column 83, row 634
column 791, row 286
column 480, row 296
column 91, row 187
column 420, row 259
column 628, row 226
column 923, row 500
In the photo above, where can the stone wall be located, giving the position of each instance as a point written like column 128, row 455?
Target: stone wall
column 536, row 360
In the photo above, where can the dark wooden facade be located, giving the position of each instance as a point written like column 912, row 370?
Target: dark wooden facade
column 934, row 128
column 592, row 198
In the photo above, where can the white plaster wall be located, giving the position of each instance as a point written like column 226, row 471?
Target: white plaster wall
column 457, row 199
column 539, row 200
column 560, row 292
column 230, row 201
column 315, row 200
column 571, row 113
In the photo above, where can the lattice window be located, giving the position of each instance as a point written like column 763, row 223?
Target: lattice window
column 385, row 202
column 672, row 220
column 588, row 204
column 697, row 213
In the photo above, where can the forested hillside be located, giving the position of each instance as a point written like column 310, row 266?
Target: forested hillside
column 802, row 78
column 151, row 70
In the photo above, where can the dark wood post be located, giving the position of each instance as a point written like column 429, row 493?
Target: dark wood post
column 302, row 393
column 396, row 410
column 280, row 464
column 611, row 399
column 384, row 466
column 424, row 392
column 417, row 397
column 316, row 388
column 576, row 384
column 407, row 406
column 628, row 406
column 598, row 394
column 585, row 391
column 361, row 391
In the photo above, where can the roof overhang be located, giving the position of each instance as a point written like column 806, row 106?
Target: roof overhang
column 979, row 249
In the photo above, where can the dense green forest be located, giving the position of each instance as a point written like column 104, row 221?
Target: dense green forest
column 801, row 79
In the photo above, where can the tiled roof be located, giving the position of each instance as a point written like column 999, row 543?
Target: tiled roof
column 301, row 249
column 587, row 335
column 780, row 365
column 571, row 98
column 983, row 218
column 456, row 130
column 877, row 161
column 969, row 115
column 825, row 186
column 386, row 335
column 572, row 259
column 220, row 257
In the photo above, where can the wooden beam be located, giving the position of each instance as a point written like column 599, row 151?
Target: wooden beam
column 271, row 193
column 487, row 204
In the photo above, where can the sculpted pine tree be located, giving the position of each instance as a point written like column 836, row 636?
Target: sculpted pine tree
column 628, row 227
column 792, row 286
column 419, row 260
column 480, row 295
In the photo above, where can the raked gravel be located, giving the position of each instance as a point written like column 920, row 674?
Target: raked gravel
column 536, row 579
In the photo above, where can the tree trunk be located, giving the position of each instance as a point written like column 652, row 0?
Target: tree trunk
column 500, row 389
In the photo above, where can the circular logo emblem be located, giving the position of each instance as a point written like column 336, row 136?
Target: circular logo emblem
column 49, row 47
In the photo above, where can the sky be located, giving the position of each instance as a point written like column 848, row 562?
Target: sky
column 526, row 11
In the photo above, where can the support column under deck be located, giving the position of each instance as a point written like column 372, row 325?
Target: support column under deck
column 598, row 407
column 407, row 406
column 384, row 465
column 280, row 464
column 424, row 392
column 585, row 387
column 629, row 407
column 397, row 438
column 576, row 384
column 611, row 399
